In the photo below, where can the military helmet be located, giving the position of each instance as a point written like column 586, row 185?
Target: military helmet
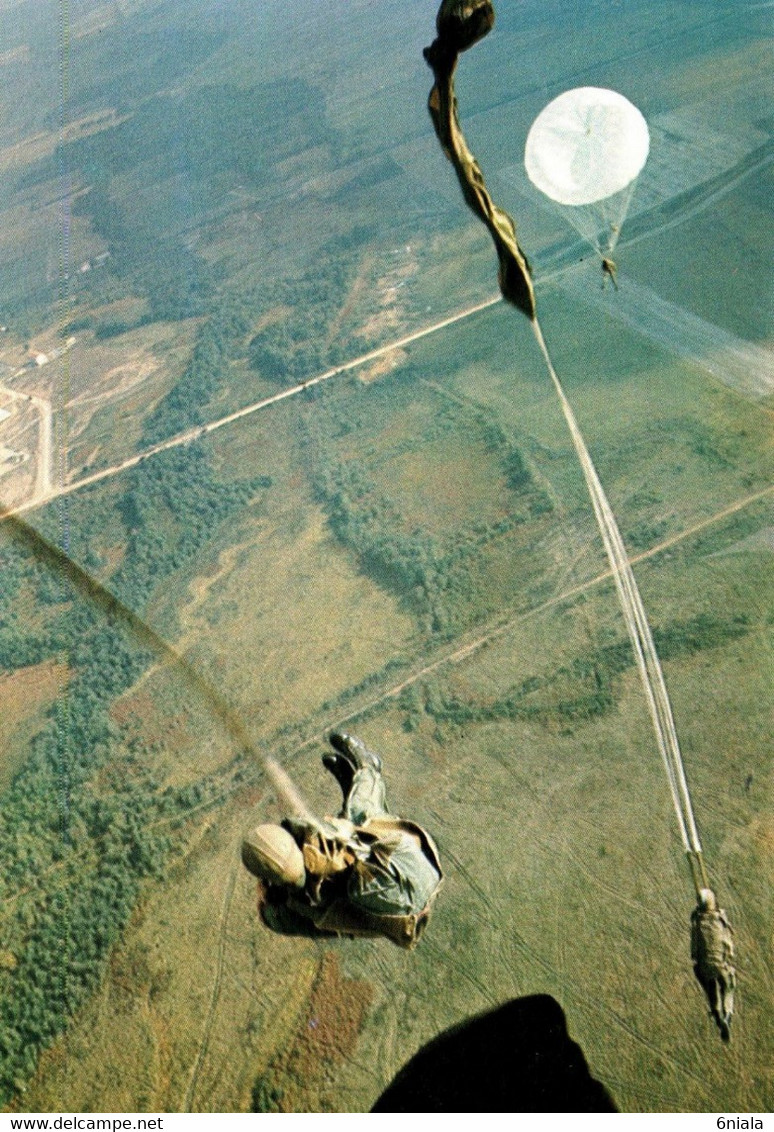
column 270, row 852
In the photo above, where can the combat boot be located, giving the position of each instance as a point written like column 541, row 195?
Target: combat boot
column 355, row 751
column 341, row 769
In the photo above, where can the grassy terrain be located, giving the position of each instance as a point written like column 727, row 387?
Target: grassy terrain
column 584, row 850
column 408, row 549
column 580, row 860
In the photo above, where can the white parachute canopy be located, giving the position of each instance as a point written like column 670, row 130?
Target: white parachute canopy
column 585, row 151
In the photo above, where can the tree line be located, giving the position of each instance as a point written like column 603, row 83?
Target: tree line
column 76, row 845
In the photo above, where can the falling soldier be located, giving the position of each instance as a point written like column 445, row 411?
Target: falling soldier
column 712, row 952
column 609, row 270
column 363, row 873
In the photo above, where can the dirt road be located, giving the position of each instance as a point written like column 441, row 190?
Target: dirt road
column 201, row 430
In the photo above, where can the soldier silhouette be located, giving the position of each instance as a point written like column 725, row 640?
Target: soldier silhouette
column 712, row 952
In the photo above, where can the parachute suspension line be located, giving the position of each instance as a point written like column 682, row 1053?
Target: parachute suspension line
column 586, row 225
column 639, row 632
column 599, row 224
column 611, row 219
column 615, row 210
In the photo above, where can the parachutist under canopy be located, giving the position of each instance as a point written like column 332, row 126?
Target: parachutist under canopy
column 609, row 269
column 712, row 952
column 584, row 152
column 363, row 873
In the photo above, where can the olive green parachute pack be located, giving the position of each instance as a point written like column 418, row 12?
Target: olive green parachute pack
column 460, row 24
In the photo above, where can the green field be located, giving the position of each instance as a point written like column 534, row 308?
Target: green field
column 407, row 549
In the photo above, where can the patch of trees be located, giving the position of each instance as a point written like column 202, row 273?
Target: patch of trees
column 286, row 351
column 83, row 322
column 218, row 341
column 73, row 859
column 646, row 534
column 107, row 221
column 172, row 506
column 518, row 475
column 705, row 631
column 116, row 326
column 430, row 577
column 282, row 352
column 267, row 1095
column 578, row 692
column 298, row 346
column 376, row 679
column 176, row 281
column 76, row 843
column 26, row 584
column 435, row 574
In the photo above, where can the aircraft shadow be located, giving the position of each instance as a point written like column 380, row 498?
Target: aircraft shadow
column 518, row 1058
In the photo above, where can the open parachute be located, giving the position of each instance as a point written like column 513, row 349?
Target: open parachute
column 585, row 151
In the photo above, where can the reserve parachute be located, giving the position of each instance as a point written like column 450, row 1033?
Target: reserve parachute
column 584, row 152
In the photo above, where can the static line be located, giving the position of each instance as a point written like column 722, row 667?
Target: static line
column 58, row 560
column 641, row 637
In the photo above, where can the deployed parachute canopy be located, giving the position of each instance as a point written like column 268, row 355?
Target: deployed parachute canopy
column 585, row 151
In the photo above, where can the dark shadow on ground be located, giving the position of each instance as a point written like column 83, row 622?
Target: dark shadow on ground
column 518, row 1058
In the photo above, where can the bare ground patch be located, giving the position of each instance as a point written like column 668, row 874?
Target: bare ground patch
column 383, row 365
column 38, row 146
column 23, row 696
column 327, row 1035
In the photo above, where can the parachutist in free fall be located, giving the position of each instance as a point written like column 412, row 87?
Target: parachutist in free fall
column 363, row 873
column 609, row 269
column 712, row 952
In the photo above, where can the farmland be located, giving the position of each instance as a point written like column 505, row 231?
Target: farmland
column 407, row 548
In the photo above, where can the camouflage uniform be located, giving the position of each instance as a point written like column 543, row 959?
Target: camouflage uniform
column 367, row 872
